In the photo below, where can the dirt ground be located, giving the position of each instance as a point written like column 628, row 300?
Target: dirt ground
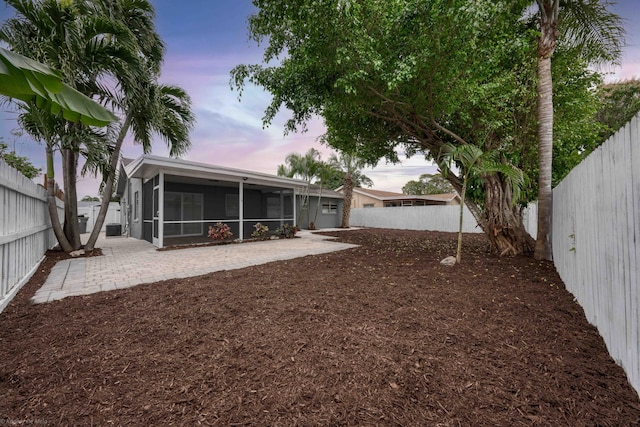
column 377, row 335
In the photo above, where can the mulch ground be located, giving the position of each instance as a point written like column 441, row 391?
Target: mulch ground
column 377, row 335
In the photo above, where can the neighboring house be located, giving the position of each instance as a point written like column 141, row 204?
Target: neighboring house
column 171, row 201
column 367, row 198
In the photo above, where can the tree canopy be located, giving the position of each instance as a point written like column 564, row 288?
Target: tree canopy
column 620, row 101
column 417, row 75
column 428, row 184
column 410, row 73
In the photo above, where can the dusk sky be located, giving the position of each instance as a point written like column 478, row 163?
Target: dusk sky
column 205, row 39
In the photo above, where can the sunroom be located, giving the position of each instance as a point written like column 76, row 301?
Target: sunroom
column 172, row 202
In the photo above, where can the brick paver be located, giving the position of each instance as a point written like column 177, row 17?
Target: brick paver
column 129, row 262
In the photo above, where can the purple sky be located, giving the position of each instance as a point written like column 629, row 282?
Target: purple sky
column 205, row 39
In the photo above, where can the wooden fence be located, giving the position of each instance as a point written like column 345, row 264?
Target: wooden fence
column 596, row 242
column 25, row 230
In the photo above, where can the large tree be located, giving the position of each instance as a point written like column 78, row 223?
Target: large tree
column 594, row 30
column 412, row 73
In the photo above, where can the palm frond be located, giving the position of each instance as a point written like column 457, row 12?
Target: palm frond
column 592, row 28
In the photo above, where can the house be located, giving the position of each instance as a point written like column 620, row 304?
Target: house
column 368, row 198
column 172, row 201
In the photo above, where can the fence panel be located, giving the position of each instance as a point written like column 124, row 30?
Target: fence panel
column 596, row 242
column 25, row 230
column 435, row 218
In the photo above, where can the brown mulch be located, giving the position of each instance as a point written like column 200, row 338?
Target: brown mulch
column 377, row 335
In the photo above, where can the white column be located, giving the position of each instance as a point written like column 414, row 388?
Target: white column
column 295, row 210
column 161, row 210
column 241, row 209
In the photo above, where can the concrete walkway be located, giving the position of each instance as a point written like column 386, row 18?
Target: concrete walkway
column 129, row 262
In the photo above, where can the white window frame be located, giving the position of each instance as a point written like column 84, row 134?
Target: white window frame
column 136, row 209
column 329, row 208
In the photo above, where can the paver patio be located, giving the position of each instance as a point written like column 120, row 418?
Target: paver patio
column 129, row 262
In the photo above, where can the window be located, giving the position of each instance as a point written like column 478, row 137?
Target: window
column 136, row 203
column 368, row 205
column 329, row 208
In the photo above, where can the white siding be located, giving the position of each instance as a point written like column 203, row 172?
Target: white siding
column 596, row 242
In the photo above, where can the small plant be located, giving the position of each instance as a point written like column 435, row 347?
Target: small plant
column 220, row 232
column 261, row 231
column 287, row 231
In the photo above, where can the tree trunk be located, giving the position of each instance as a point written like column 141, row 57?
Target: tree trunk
column 548, row 10
column 70, row 170
column 462, row 197
column 315, row 217
column 108, row 187
column 503, row 221
column 499, row 218
column 51, row 204
column 347, row 186
column 545, row 150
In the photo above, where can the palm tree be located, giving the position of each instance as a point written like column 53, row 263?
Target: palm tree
column 148, row 107
column 305, row 167
column 351, row 165
column 120, row 38
column 590, row 27
column 472, row 161
column 86, row 47
column 164, row 110
column 37, row 84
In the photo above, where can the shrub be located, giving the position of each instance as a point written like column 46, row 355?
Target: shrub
column 287, row 231
column 220, row 232
column 261, row 231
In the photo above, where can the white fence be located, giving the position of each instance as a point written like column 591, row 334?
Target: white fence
column 25, row 230
column 91, row 212
column 596, row 242
column 434, row 218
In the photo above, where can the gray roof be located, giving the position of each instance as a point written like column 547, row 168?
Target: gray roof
column 148, row 166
